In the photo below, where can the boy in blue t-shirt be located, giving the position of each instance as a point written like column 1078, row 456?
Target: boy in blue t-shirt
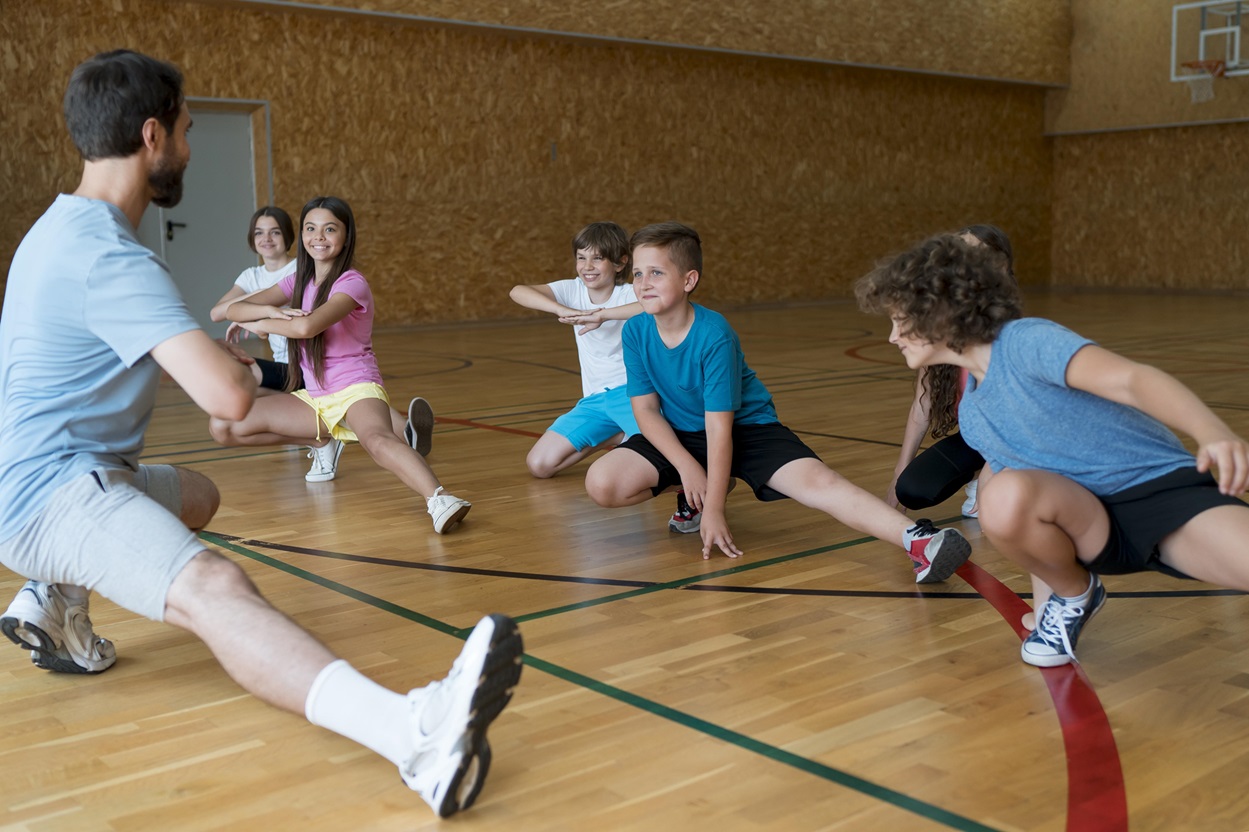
column 1086, row 479
column 718, row 421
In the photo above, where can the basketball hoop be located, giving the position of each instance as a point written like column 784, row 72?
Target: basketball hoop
column 1200, row 78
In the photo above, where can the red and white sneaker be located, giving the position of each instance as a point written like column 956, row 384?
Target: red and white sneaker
column 937, row 553
column 687, row 519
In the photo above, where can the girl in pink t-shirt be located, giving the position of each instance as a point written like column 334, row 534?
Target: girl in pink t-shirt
column 325, row 310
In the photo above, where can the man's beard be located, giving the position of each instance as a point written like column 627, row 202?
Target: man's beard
column 166, row 182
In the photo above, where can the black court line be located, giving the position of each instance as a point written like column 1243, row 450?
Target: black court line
column 780, row 755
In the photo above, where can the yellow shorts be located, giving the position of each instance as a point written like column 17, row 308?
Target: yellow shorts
column 332, row 407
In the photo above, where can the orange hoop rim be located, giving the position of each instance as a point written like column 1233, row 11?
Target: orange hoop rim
column 1213, row 68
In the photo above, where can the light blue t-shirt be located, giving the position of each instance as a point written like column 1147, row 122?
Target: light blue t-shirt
column 84, row 305
column 1024, row 416
column 706, row 372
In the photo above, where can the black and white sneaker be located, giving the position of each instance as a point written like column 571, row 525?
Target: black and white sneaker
column 450, row 717
column 419, row 431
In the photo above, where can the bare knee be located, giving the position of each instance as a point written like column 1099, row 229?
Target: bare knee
column 201, row 587
column 1006, row 504
column 200, row 498
column 539, row 465
column 603, row 486
column 222, row 431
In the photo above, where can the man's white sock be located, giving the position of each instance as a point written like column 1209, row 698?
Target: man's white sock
column 349, row 703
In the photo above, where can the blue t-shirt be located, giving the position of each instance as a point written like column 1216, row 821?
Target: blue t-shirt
column 1024, row 416
column 84, row 305
column 705, row 373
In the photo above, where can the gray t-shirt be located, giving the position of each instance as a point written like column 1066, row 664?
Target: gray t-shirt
column 84, row 305
column 1024, row 416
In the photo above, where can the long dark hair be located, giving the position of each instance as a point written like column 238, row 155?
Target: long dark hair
column 305, row 275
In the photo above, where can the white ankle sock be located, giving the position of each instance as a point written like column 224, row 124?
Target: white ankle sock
column 350, row 704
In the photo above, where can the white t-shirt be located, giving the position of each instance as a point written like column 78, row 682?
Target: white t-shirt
column 257, row 278
column 602, row 357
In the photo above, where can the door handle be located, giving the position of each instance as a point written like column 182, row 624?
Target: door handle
column 170, row 225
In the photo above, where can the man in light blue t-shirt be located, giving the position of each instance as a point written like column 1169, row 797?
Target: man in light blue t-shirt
column 90, row 319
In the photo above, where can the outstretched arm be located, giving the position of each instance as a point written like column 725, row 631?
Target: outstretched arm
column 1109, row 375
column 589, row 319
column 714, row 528
column 540, row 297
column 309, row 325
column 213, row 375
column 267, row 303
column 917, row 422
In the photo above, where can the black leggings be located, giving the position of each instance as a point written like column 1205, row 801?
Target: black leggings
column 934, row 475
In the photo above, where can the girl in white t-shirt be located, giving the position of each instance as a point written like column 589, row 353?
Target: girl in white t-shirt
column 270, row 234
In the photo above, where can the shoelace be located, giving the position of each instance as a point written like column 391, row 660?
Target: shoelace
column 1053, row 625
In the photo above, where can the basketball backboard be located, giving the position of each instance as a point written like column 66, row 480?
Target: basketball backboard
column 1208, row 31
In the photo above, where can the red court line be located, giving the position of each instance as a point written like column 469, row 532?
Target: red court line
column 1096, row 798
column 469, row 423
column 854, row 352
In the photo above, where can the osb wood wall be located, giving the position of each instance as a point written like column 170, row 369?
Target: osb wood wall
column 471, row 158
column 1121, row 73
column 1152, row 209
column 1138, row 206
column 1024, row 40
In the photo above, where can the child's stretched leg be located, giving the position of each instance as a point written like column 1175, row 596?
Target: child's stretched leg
column 553, row 453
column 621, row 478
column 370, row 420
column 936, row 553
column 280, row 419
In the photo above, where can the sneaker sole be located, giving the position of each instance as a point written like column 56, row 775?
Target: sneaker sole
column 679, row 528
column 500, row 674
column 952, row 553
column 421, row 420
column 42, row 647
column 445, row 524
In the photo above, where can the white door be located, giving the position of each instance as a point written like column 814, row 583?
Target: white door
column 204, row 237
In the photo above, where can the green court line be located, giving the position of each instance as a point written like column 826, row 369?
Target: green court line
column 780, row 755
column 695, row 579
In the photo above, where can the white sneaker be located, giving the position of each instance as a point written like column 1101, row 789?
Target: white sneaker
column 450, row 717
column 970, row 509
column 56, row 631
column 447, row 510
column 419, row 431
column 324, row 461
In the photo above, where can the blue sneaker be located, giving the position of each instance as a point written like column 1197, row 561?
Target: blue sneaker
column 1053, row 642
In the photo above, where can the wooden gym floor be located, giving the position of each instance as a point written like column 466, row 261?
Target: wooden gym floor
column 810, row 685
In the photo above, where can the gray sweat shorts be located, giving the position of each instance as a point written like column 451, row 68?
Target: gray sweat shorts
column 115, row 532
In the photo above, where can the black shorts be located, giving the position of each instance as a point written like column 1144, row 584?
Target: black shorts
column 759, row 451
column 273, row 375
column 1141, row 516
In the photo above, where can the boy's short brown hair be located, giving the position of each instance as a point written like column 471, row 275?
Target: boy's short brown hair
column 680, row 242
column 945, row 290
column 609, row 240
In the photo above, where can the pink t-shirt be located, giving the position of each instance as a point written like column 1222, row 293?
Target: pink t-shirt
column 349, row 357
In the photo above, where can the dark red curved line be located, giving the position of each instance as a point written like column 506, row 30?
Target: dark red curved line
column 1096, row 798
column 469, row 423
column 853, row 352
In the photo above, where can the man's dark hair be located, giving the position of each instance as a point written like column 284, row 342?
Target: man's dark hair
column 110, row 97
